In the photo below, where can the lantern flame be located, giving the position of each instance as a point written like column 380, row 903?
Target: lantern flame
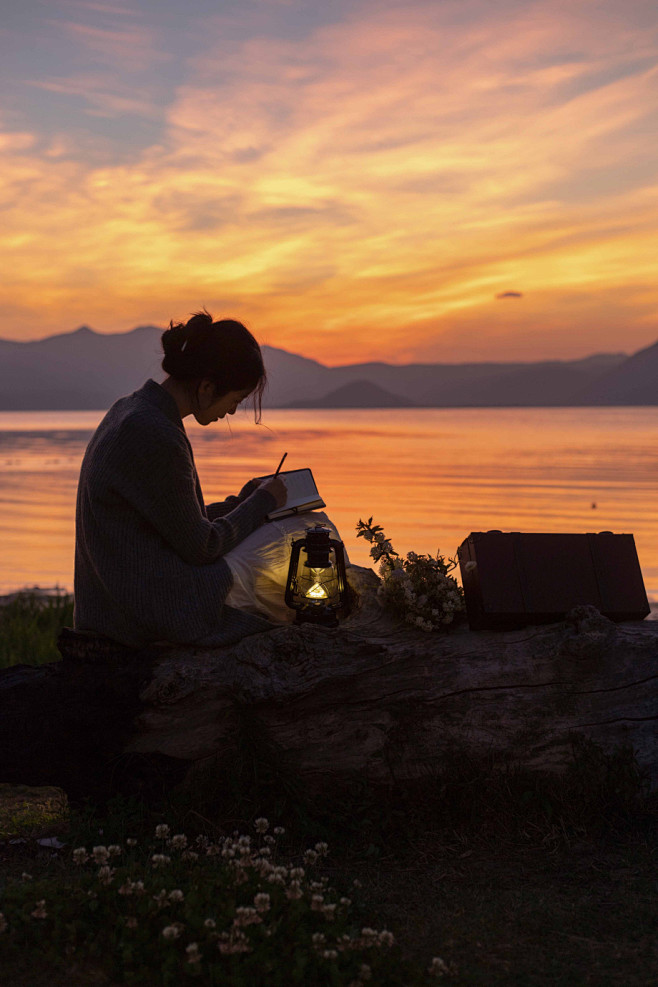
column 316, row 592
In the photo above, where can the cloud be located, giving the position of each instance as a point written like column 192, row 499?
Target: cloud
column 510, row 294
column 362, row 193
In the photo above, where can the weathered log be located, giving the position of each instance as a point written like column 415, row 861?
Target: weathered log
column 372, row 699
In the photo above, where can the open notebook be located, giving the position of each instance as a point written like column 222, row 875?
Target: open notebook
column 303, row 494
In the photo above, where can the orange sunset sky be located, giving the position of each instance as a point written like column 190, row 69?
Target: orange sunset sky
column 355, row 180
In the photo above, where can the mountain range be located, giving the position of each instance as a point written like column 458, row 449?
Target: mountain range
column 87, row 370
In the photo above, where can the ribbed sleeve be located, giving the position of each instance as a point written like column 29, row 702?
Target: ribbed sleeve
column 149, row 557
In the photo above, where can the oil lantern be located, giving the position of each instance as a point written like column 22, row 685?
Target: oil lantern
column 317, row 587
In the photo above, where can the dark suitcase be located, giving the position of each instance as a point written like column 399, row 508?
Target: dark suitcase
column 512, row 579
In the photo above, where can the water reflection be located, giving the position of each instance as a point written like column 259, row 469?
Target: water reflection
column 428, row 476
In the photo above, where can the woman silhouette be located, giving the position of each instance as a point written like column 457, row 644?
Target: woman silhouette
column 149, row 554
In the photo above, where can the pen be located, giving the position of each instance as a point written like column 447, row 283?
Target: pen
column 280, row 464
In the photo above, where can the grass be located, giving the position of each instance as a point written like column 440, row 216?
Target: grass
column 512, row 878
column 29, row 624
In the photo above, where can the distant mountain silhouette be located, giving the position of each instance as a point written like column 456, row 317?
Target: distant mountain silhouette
column 635, row 381
column 88, row 370
column 359, row 394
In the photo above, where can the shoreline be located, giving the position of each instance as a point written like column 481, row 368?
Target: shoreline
column 53, row 592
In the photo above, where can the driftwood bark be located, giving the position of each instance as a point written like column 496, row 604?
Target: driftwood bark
column 373, row 699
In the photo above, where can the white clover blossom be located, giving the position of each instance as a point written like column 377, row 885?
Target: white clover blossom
column 193, row 954
column 160, row 859
column 40, row 910
column 261, row 825
column 178, row 842
column 294, row 891
column 25, row 876
column 100, row 854
column 80, row 855
column 171, row 931
column 438, row 967
column 245, row 915
column 162, row 831
column 262, row 902
column 106, row 874
column 131, row 841
column 176, row 895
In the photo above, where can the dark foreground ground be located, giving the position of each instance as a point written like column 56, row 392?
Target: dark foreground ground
column 511, row 915
column 535, row 909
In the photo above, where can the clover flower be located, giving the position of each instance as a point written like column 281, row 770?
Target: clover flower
column 176, row 895
column 162, row 831
column 100, row 854
column 171, row 931
column 80, row 856
column 178, row 842
column 131, row 841
column 106, row 874
column 294, row 891
column 261, row 825
column 193, row 954
column 40, row 910
column 231, row 943
column 438, row 968
column 246, row 916
column 160, row 859
column 262, row 902
column 25, row 876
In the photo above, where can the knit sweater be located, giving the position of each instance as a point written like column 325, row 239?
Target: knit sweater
column 149, row 560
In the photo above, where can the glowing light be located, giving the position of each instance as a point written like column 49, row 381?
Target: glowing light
column 316, row 592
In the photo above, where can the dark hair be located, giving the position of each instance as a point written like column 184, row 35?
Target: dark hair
column 224, row 352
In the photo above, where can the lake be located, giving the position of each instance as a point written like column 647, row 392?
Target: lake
column 428, row 476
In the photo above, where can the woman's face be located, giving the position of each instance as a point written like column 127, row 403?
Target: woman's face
column 211, row 408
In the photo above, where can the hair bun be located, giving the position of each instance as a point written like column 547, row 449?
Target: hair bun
column 174, row 344
column 174, row 339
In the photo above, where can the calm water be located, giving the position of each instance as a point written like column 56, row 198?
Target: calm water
column 428, row 476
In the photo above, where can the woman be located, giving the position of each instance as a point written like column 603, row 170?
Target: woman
column 149, row 555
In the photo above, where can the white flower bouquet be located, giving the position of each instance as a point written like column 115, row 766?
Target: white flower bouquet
column 418, row 587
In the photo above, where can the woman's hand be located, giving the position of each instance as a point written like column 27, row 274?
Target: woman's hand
column 277, row 488
column 249, row 488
